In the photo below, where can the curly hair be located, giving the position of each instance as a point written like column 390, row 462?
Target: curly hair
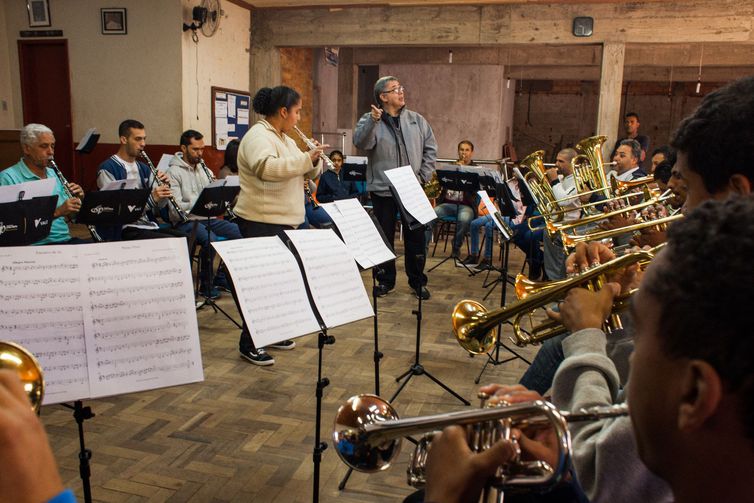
column 718, row 138
column 268, row 101
column 704, row 315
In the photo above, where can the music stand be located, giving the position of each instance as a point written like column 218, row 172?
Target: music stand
column 357, row 173
column 460, row 181
column 213, row 202
column 86, row 146
column 26, row 221
column 507, row 209
column 113, row 207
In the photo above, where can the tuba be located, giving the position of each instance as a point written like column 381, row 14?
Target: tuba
column 20, row 360
column 475, row 328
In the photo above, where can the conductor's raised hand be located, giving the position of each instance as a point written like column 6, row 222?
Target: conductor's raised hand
column 376, row 113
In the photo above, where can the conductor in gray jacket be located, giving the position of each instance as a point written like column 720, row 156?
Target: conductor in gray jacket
column 394, row 136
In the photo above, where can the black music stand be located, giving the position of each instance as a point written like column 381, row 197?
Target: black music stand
column 213, row 202
column 462, row 181
column 113, row 207
column 353, row 172
column 26, row 221
column 417, row 368
column 507, row 209
column 81, row 414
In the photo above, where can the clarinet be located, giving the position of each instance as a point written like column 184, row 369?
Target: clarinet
column 92, row 230
column 229, row 214
column 181, row 213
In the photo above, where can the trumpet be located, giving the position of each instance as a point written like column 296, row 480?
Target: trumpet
column 18, row 359
column 475, row 328
column 367, row 433
column 92, row 230
column 571, row 240
column 310, row 143
column 182, row 215
column 553, row 227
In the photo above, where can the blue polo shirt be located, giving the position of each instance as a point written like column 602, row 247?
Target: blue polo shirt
column 20, row 173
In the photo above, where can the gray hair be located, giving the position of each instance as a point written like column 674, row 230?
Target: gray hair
column 381, row 85
column 635, row 147
column 31, row 132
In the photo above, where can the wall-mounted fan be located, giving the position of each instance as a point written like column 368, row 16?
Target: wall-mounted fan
column 206, row 16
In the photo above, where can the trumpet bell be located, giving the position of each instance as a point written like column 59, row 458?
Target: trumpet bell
column 350, row 441
column 466, row 314
column 25, row 365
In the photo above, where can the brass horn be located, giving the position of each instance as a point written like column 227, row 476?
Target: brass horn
column 18, row 359
column 474, row 326
column 536, row 178
column 367, row 434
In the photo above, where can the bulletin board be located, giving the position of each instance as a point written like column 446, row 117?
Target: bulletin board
column 230, row 115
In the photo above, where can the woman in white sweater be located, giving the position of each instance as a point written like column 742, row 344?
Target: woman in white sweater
column 272, row 169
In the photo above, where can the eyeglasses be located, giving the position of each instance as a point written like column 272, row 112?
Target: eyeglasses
column 396, row 90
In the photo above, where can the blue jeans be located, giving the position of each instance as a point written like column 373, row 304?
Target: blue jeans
column 541, row 372
column 314, row 217
column 464, row 214
column 489, row 227
column 216, row 227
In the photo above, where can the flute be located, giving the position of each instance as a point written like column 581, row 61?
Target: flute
column 310, row 143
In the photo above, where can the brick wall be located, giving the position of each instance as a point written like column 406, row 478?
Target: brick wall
column 296, row 68
column 554, row 114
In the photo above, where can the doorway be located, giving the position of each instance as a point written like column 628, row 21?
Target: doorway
column 46, row 95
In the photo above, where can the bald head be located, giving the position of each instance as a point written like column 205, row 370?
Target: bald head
column 563, row 161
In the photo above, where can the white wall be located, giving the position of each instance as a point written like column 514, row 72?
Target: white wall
column 223, row 61
column 460, row 102
column 113, row 77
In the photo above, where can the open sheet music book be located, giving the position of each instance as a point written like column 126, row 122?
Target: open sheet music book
column 271, row 289
column 359, row 232
column 102, row 319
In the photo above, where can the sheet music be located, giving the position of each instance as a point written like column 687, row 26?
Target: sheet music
column 518, row 174
column 411, row 194
column 85, row 139
column 359, row 232
column 41, row 309
column 270, row 289
column 128, row 184
column 334, row 280
column 28, row 190
column 164, row 163
column 139, row 316
column 233, row 181
column 492, row 210
column 356, row 159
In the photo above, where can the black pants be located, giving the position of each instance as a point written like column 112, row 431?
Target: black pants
column 251, row 229
column 131, row 233
column 385, row 210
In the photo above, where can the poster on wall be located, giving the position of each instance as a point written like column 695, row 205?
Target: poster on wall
column 230, row 115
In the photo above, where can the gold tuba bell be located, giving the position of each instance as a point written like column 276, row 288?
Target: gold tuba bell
column 22, row 362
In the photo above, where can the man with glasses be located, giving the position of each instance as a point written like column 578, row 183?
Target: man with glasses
column 394, row 136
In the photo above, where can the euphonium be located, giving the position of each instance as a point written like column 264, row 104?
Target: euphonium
column 367, row 433
column 475, row 327
column 20, row 360
column 588, row 170
column 536, row 178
